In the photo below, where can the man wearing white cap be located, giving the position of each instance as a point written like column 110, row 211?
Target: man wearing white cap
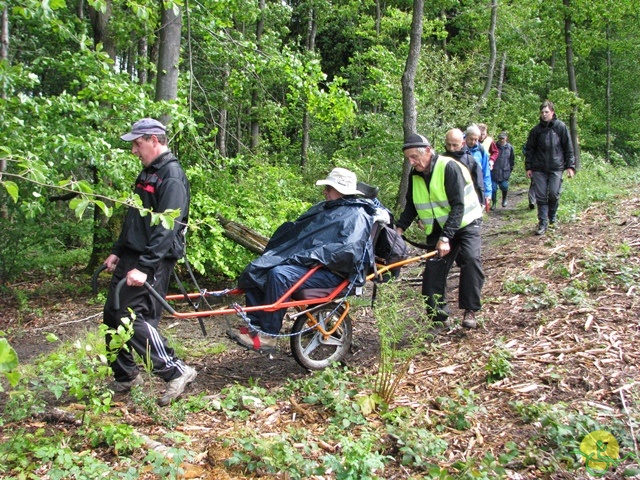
column 333, row 233
column 148, row 253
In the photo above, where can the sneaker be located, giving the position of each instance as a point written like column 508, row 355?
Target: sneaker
column 553, row 221
column 121, row 387
column 469, row 319
column 176, row 386
column 255, row 341
column 541, row 229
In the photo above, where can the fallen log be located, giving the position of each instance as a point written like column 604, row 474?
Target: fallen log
column 243, row 235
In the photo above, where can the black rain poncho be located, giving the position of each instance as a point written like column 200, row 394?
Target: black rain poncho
column 334, row 234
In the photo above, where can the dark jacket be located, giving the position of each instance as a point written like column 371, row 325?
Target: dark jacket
column 162, row 186
column 334, row 233
column 549, row 148
column 466, row 159
column 504, row 163
column 454, row 184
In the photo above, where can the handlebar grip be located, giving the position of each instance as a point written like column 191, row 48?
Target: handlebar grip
column 94, row 280
column 156, row 295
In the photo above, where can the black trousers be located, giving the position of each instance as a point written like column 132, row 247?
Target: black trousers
column 146, row 313
column 466, row 248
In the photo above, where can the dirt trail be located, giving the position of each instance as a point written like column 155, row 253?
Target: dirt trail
column 568, row 343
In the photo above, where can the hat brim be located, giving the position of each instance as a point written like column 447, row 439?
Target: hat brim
column 340, row 188
column 129, row 137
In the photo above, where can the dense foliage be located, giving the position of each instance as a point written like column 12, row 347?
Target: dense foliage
column 257, row 79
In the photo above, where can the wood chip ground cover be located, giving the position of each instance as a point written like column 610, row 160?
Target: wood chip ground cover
column 565, row 306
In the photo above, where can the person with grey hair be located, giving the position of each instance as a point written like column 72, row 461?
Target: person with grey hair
column 442, row 196
column 477, row 151
column 548, row 153
column 146, row 253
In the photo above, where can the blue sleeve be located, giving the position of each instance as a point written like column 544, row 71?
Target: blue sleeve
column 486, row 173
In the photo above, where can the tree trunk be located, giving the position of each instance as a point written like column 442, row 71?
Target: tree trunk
column 255, row 99
column 4, row 55
column 409, row 112
column 221, row 137
column 573, row 86
column 311, row 45
column 607, row 100
column 492, row 53
column 168, row 56
column 101, row 31
column 102, row 236
column 503, row 66
column 141, row 67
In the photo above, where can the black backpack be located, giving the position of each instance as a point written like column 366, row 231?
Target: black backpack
column 389, row 246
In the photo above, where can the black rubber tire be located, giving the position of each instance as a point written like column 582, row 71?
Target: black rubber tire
column 311, row 350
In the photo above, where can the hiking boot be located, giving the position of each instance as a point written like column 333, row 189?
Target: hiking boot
column 469, row 319
column 176, row 386
column 542, row 227
column 122, row 387
column 255, row 341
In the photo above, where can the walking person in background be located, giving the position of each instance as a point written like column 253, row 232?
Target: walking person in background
column 148, row 253
column 502, row 169
column 548, row 153
column 454, row 146
column 488, row 144
column 441, row 195
column 475, row 148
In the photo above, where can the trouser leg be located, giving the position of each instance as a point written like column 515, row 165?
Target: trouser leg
column 555, row 189
column 279, row 280
column 146, row 341
column 540, row 182
column 471, row 273
column 434, row 285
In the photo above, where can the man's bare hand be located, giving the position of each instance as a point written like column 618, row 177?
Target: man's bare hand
column 443, row 248
column 136, row 278
column 111, row 262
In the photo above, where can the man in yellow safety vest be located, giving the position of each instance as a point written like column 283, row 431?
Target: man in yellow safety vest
column 442, row 196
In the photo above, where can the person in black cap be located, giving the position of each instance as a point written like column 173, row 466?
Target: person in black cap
column 441, row 194
column 148, row 253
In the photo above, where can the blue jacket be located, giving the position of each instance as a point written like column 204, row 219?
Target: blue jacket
column 482, row 157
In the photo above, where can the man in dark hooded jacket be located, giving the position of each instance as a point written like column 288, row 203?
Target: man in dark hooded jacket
column 548, row 153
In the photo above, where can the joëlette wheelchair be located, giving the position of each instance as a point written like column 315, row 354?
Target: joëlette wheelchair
column 322, row 328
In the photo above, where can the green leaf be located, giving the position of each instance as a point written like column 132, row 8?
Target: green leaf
column 12, row 190
column 106, row 210
column 8, row 356
column 51, row 337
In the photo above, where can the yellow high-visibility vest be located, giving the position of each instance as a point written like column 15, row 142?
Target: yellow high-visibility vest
column 432, row 204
